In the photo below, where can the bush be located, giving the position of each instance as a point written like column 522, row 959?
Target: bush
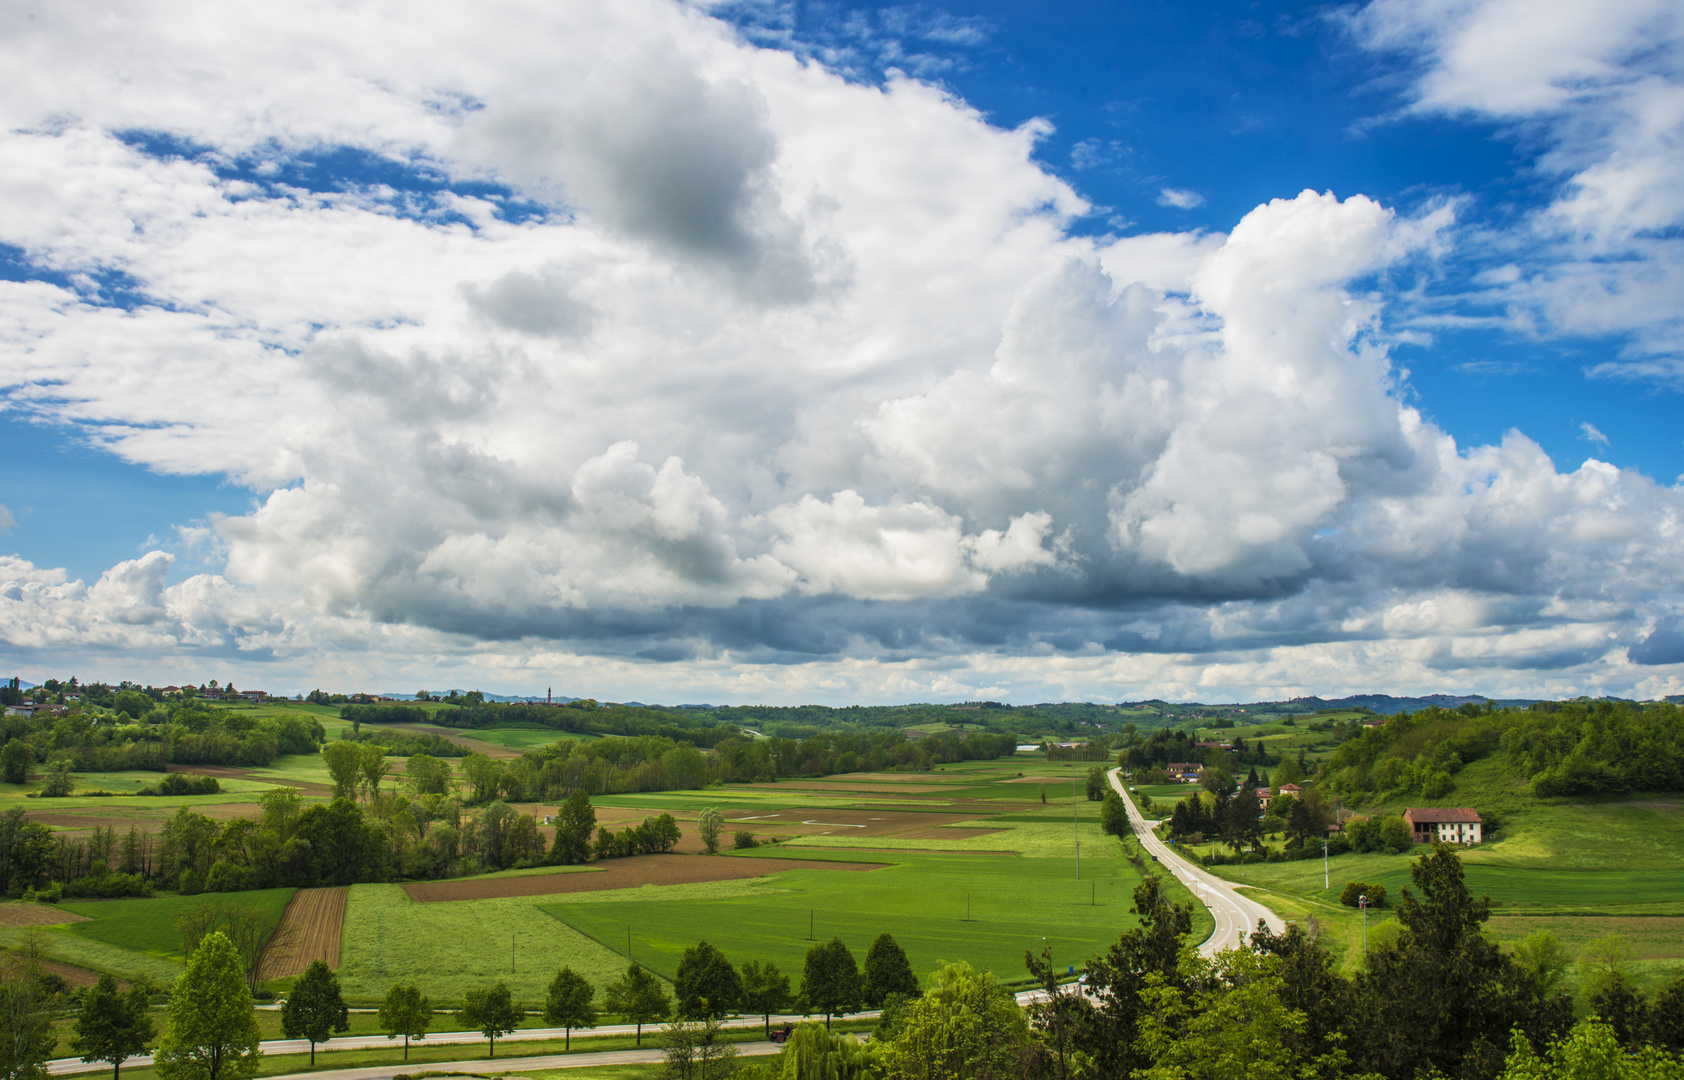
column 182, row 784
column 109, row 886
column 52, row 894
column 745, row 839
column 1353, row 890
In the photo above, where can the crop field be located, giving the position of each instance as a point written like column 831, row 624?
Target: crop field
column 629, row 873
column 308, row 931
column 446, row 949
column 987, row 909
column 963, row 835
column 148, row 925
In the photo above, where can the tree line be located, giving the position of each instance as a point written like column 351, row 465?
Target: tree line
column 188, row 733
column 1560, row 748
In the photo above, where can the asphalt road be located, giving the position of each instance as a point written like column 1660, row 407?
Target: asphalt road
column 66, row 1066
column 1236, row 915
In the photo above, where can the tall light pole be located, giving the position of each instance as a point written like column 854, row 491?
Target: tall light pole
column 1362, row 902
column 1325, row 883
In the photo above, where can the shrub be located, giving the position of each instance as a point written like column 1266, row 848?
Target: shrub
column 745, row 839
column 108, row 886
column 52, row 894
column 1353, row 890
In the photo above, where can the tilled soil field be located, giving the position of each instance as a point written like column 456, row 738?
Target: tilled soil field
column 309, row 931
column 828, row 821
column 626, row 873
column 18, row 914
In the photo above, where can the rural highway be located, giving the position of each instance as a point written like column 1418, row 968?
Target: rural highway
column 66, row 1066
column 1235, row 915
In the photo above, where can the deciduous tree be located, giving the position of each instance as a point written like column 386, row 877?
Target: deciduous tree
column 574, row 829
column 315, row 1009
column 887, row 971
column 407, row 1012
column 639, row 997
column 709, row 825
column 707, row 985
column 570, row 1004
column 830, row 980
column 491, row 1011
column 211, row 1031
column 765, row 991
column 112, row 1026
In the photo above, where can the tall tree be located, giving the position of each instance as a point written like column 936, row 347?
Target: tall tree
column 709, row 825
column 15, row 761
column 574, row 830
column 1114, row 816
column 211, row 1031
column 1149, row 952
column 315, row 1009
column 373, row 768
column 967, row 1028
column 407, row 1012
column 344, row 764
column 639, row 997
column 707, row 985
column 765, row 991
column 26, row 1032
column 887, row 971
column 112, row 1026
column 491, row 1011
column 830, row 980
column 570, row 1004
column 1443, row 997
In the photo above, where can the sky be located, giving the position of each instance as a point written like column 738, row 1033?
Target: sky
column 767, row 352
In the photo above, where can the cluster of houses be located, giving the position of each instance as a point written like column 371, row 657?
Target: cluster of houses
column 1445, row 825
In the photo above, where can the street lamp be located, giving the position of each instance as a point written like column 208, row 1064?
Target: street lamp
column 1362, row 902
column 1325, row 883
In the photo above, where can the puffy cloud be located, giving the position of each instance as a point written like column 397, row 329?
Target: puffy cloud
column 621, row 341
column 1180, row 199
column 1603, row 87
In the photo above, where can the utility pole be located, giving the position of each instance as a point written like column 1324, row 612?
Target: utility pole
column 1076, row 826
column 1325, row 882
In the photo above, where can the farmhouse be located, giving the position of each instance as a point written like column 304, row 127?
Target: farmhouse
column 1290, row 789
column 1185, row 771
column 1456, row 825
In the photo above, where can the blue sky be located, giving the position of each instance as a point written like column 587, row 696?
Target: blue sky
column 803, row 351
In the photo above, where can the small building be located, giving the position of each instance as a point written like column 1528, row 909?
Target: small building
column 1188, row 772
column 255, row 695
column 1290, row 789
column 1453, row 825
column 1263, row 797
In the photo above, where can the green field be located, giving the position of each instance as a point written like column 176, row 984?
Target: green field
column 1015, row 904
column 447, row 948
column 148, row 925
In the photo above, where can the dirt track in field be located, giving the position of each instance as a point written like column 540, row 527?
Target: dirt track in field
column 309, row 930
column 14, row 915
column 628, row 873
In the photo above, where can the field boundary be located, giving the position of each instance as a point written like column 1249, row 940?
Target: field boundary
column 310, row 929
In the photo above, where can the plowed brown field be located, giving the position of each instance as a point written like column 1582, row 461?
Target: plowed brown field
column 621, row 874
column 19, row 914
column 309, row 931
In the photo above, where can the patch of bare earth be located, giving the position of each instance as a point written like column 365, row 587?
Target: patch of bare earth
column 827, row 822
column 626, row 873
column 18, row 914
column 231, row 772
column 309, row 930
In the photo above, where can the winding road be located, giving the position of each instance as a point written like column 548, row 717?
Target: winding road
column 1235, row 915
